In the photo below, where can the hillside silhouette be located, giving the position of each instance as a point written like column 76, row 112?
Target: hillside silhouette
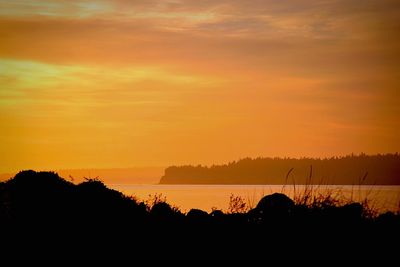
column 41, row 207
column 348, row 170
column 138, row 175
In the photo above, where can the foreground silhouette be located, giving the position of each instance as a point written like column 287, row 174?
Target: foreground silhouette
column 43, row 205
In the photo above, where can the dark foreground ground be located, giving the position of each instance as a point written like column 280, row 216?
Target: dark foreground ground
column 41, row 211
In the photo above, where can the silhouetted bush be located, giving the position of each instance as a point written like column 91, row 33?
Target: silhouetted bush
column 237, row 204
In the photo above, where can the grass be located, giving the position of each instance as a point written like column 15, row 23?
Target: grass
column 319, row 195
column 311, row 195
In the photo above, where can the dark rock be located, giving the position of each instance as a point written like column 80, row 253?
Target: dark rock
column 276, row 202
column 273, row 207
column 217, row 214
column 161, row 209
column 352, row 211
column 388, row 220
column 197, row 214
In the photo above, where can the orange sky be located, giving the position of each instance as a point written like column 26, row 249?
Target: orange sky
column 99, row 84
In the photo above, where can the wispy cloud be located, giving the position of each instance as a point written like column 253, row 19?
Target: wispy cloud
column 58, row 8
column 156, row 74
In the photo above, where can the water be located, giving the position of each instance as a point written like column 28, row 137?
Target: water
column 207, row 197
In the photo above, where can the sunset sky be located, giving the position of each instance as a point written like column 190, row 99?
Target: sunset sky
column 100, row 84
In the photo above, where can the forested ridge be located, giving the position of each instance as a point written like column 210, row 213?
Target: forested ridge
column 352, row 169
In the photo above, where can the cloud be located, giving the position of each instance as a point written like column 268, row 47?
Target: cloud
column 177, row 76
column 58, row 8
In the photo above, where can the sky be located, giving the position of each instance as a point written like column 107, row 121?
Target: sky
column 103, row 84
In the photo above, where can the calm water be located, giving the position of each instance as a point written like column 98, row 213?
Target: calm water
column 206, row 197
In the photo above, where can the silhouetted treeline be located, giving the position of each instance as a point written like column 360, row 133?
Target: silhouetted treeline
column 352, row 169
column 46, row 213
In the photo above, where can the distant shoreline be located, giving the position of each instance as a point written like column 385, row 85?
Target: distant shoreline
column 348, row 170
